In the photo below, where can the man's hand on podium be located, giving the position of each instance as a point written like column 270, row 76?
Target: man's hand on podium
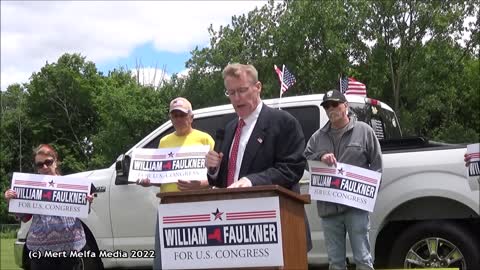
column 242, row 182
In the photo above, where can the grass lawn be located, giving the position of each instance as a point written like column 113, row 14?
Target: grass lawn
column 7, row 260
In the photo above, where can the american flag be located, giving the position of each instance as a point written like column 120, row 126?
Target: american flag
column 286, row 78
column 350, row 86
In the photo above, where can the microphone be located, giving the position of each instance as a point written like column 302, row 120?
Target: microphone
column 219, row 135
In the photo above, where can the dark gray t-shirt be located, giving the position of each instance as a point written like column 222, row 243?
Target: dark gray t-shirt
column 336, row 135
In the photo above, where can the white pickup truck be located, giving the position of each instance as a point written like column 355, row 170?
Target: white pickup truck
column 427, row 212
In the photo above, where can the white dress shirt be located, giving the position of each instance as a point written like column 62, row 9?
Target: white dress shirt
column 250, row 122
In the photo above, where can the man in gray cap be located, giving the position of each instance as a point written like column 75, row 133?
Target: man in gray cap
column 346, row 140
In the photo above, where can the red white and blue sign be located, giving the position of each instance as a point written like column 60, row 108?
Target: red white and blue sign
column 345, row 184
column 50, row 195
column 167, row 165
column 221, row 234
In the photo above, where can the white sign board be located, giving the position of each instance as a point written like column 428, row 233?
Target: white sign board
column 473, row 150
column 50, row 195
column 221, row 234
column 167, row 165
column 346, row 184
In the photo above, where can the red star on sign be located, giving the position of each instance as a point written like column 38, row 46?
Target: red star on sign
column 217, row 214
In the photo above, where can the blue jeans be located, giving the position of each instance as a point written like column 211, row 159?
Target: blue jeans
column 356, row 223
column 157, row 261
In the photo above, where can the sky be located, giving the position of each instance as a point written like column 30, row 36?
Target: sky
column 111, row 34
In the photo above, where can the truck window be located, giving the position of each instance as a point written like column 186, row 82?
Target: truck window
column 309, row 118
column 212, row 123
column 208, row 124
column 384, row 122
column 154, row 143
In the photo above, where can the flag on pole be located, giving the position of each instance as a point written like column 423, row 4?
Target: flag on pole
column 350, row 86
column 286, row 79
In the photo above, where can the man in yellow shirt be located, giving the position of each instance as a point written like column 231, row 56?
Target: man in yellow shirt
column 182, row 117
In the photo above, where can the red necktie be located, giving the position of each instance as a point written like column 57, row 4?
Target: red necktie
column 232, row 161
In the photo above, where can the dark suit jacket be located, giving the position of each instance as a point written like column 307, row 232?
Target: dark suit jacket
column 273, row 156
column 274, row 152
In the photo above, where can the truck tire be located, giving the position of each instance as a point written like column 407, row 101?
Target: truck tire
column 90, row 263
column 449, row 240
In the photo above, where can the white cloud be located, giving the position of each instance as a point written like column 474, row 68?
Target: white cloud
column 150, row 76
column 154, row 76
column 35, row 32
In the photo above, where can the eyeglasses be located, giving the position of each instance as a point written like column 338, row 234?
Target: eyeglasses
column 333, row 104
column 238, row 91
column 47, row 162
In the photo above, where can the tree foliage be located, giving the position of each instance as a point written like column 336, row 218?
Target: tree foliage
column 61, row 108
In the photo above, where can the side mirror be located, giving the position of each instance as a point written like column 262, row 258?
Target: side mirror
column 122, row 166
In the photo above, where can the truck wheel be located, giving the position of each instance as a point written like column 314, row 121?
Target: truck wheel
column 90, row 263
column 434, row 245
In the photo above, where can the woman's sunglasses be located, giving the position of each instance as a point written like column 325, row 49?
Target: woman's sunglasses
column 47, row 162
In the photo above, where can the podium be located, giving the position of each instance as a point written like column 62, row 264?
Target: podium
column 291, row 215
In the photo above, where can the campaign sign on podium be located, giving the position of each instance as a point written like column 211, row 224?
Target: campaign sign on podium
column 221, row 234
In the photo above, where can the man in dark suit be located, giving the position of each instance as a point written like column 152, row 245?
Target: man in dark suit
column 263, row 146
column 270, row 143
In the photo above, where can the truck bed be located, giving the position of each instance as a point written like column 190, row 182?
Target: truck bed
column 414, row 144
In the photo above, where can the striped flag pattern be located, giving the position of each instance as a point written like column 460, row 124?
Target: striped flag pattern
column 286, row 78
column 350, row 86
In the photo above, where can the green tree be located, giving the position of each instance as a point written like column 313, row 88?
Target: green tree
column 15, row 143
column 127, row 112
column 316, row 40
column 61, row 110
column 250, row 39
column 400, row 29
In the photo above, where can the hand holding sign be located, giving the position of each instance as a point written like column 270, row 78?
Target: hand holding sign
column 329, row 159
column 472, row 159
column 184, row 185
column 10, row 194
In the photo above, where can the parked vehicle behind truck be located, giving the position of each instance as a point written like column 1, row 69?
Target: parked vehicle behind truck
column 427, row 214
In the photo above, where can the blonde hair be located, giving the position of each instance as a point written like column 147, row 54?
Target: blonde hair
column 236, row 69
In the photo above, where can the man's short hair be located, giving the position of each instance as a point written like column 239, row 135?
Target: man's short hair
column 236, row 69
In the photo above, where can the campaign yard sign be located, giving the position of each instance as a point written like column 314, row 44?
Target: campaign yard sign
column 346, row 184
column 167, row 165
column 473, row 151
column 221, row 234
column 50, row 195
